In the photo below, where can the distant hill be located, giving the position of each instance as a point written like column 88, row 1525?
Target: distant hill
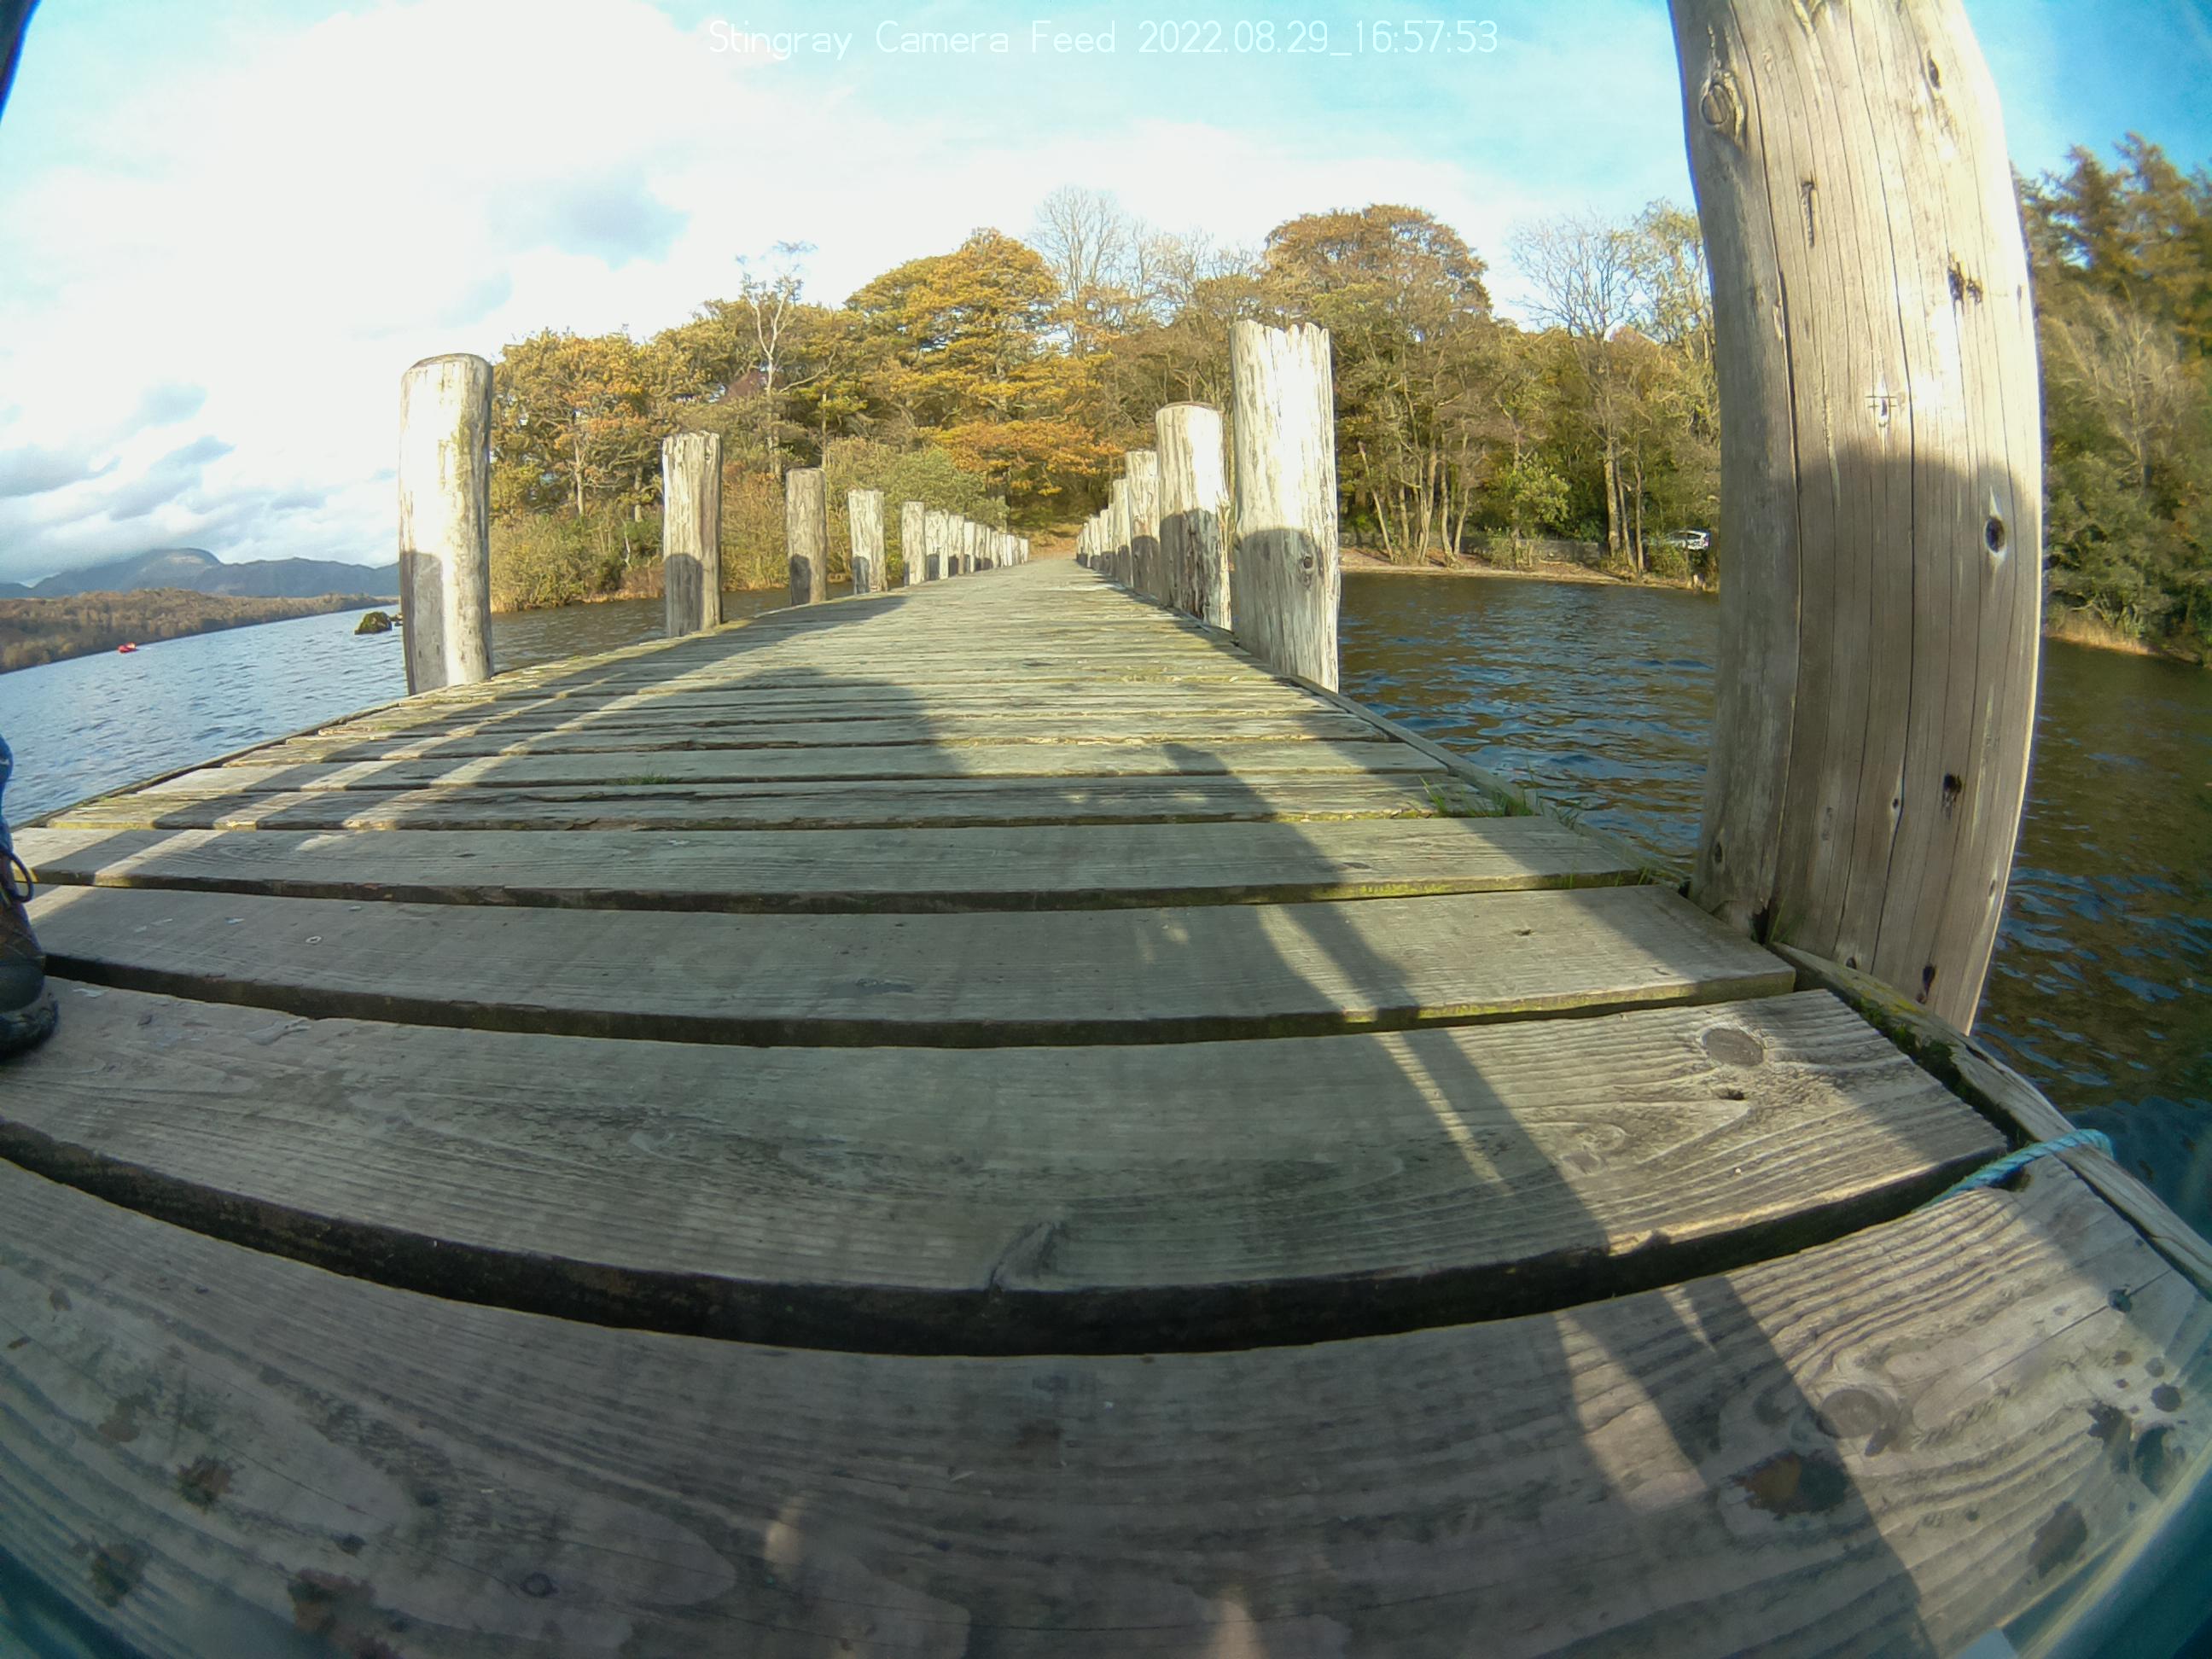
column 35, row 631
column 14, row 591
column 200, row 572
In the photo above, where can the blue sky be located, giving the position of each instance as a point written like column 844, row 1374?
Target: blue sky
column 226, row 237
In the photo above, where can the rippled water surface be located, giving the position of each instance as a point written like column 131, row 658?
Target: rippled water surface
column 1600, row 698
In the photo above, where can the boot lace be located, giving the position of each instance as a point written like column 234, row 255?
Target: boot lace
column 15, row 876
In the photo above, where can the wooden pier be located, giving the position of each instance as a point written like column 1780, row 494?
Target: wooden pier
column 1002, row 1115
column 997, row 1125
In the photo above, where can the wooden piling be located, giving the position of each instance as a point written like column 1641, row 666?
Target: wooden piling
column 1286, row 583
column 444, row 521
column 970, row 539
column 1194, row 491
column 937, row 529
column 1144, row 474
column 1117, row 531
column 691, row 531
column 864, row 513
column 806, row 533
column 1881, row 486
column 913, row 516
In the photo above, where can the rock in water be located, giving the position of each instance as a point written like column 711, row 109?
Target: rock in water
column 376, row 621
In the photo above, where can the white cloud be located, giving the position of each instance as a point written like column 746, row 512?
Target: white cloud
column 290, row 230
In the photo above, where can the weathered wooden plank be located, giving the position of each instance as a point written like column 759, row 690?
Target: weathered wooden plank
column 213, row 1452
column 1173, row 974
column 1026, row 867
column 595, row 769
column 919, row 803
column 1221, row 1194
column 674, row 730
column 728, row 705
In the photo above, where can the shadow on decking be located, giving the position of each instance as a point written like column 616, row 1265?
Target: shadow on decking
column 1689, row 1363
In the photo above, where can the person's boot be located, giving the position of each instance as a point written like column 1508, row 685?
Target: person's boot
column 27, row 1007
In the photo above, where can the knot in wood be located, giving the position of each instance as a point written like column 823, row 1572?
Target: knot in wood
column 1721, row 106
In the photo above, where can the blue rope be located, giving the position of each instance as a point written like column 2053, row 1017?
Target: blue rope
column 1990, row 1174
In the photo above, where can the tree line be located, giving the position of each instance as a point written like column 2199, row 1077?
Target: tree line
column 1004, row 379
column 35, row 631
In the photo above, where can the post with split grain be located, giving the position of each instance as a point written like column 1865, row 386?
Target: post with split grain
column 1881, row 486
column 691, row 531
column 806, row 533
column 444, row 521
column 863, row 511
column 912, row 518
column 932, row 544
column 1285, row 581
column 1194, row 490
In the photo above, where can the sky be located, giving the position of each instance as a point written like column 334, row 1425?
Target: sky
column 222, row 237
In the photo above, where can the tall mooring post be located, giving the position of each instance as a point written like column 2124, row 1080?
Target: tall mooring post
column 1881, row 485
column 1117, row 531
column 806, row 533
column 864, row 513
column 1144, row 475
column 1194, row 490
column 691, row 531
column 1287, row 584
column 444, row 521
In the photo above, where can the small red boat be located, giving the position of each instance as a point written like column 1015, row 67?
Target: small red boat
column 126, row 648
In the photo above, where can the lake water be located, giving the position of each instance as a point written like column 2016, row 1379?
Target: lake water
column 1597, row 696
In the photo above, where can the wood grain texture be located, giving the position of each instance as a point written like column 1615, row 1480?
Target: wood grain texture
column 763, row 728
column 919, row 803
column 691, row 531
column 1890, row 1444
column 913, row 519
column 444, row 521
column 1881, row 462
column 864, row 513
column 1142, row 470
column 1029, row 867
column 1194, row 496
column 593, row 768
column 1173, row 974
column 1133, row 1200
column 806, row 533
column 1978, row 1076
column 1287, row 584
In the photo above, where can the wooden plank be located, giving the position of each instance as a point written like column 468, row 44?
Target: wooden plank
column 1025, row 867
column 1179, row 974
column 857, row 762
column 922, row 803
column 732, row 709
column 1153, row 1199
column 1979, row 1076
column 585, row 733
column 1889, row 1444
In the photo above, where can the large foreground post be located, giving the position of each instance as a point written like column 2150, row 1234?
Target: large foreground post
column 691, row 531
column 806, row 533
column 1194, row 489
column 1881, row 485
column 444, row 521
column 1286, row 582
column 863, row 511
column 913, row 516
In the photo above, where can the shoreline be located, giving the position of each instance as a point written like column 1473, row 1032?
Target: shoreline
column 2066, row 626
